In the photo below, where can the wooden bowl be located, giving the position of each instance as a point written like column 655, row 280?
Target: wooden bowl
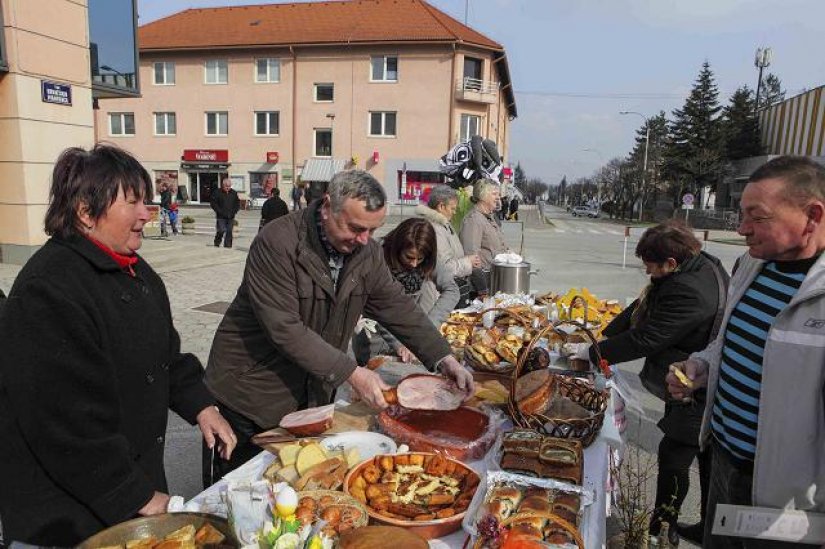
column 428, row 529
column 158, row 526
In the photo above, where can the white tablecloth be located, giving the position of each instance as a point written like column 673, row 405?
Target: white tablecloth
column 596, row 478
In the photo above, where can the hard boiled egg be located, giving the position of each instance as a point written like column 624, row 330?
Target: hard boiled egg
column 286, row 502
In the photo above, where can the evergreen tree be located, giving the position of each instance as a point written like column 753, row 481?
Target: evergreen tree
column 694, row 156
column 741, row 126
column 519, row 178
column 771, row 91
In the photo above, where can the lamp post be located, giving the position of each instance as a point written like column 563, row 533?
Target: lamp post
column 644, row 166
column 126, row 78
column 760, row 61
column 598, row 187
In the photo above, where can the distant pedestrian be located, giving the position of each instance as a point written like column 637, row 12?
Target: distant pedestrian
column 297, row 193
column 226, row 204
column 513, row 209
column 168, row 210
column 273, row 208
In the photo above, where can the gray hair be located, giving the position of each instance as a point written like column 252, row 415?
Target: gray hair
column 441, row 194
column 482, row 188
column 803, row 177
column 358, row 185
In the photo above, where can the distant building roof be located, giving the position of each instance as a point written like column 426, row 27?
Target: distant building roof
column 308, row 23
column 318, row 24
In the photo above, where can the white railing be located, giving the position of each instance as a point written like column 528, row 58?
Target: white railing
column 476, row 85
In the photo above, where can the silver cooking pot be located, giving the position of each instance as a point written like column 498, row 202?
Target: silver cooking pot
column 510, row 278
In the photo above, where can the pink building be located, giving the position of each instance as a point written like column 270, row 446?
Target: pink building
column 264, row 93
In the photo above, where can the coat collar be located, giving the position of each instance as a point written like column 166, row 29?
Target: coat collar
column 90, row 252
column 431, row 215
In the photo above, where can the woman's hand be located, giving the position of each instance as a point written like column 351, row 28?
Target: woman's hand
column 405, row 354
column 475, row 260
column 212, row 423
column 156, row 505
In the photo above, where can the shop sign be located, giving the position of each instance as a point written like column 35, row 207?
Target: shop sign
column 272, row 157
column 204, row 155
column 52, row 92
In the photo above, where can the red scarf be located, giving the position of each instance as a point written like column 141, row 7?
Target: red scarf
column 125, row 262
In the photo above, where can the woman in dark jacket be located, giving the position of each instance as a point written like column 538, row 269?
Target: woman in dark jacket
column 677, row 314
column 91, row 364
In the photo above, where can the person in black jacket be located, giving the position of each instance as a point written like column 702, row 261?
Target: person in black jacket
column 226, row 204
column 92, row 364
column 678, row 313
column 273, row 208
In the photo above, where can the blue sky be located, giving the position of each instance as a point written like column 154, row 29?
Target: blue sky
column 636, row 55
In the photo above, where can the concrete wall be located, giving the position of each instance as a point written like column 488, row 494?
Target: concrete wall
column 33, row 133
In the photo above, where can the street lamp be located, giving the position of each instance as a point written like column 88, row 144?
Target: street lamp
column 126, row 78
column 644, row 166
column 598, row 187
column 760, row 61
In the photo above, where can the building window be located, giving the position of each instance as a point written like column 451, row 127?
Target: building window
column 324, row 93
column 217, row 123
column 4, row 63
column 268, row 70
column 472, row 73
column 267, row 123
column 113, row 52
column 470, row 125
column 323, row 142
column 165, row 123
column 164, row 73
column 382, row 124
column 384, row 68
column 121, row 123
column 216, row 71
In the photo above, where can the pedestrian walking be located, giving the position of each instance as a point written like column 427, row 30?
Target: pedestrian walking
column 513, row 216
column 764, row 417
column 297, row 193
column 168, row 210
column 273, row 208
column 225, row 203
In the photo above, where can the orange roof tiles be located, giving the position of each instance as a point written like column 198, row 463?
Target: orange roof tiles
column 335, row 22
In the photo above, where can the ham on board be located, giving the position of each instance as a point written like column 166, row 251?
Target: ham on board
column 309, row 422
column 427, row 392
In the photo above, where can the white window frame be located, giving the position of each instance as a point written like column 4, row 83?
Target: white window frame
column 464, row 128
column 217, row 71
column 268, row 123
column 315, row 92
column 269, row 79
column 168, row 68
column 165, row 115
column 383, row 133
column 315, row 142
column 384, row 79
column 217, row 123
column 122, row 116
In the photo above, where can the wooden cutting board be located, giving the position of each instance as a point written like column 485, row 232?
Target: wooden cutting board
column 380, row 537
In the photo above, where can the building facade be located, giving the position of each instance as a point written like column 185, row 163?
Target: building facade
column 272, row 93
column 50, row 75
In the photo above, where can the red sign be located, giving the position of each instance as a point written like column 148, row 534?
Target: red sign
column 200, row 155
column 272, row 157
column 375, row 157
column 508, row 172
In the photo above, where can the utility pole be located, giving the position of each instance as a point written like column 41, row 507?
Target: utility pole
column 644, row 166
column 761, row 60
column 466, row 10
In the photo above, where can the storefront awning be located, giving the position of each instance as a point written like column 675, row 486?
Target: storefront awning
column 322, row 169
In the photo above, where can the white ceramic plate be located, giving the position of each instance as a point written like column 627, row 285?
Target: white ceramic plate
column 368, row 444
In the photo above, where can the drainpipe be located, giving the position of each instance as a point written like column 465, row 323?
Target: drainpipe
column 294, row 110
column 452, row 102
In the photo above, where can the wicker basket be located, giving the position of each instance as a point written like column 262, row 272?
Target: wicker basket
column 577, row 390
column 501, row 367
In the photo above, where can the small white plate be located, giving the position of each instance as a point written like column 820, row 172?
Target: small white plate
column 368, row 444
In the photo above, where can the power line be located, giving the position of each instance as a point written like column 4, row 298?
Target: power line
column 628, row 95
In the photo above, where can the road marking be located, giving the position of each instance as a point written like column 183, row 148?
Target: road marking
column 614, row 232
column 560, row 230
column 594, row 231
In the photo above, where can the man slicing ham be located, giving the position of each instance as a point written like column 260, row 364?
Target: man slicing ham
column 309, row 276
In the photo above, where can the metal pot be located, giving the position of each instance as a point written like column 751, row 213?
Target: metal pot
column 510, row 278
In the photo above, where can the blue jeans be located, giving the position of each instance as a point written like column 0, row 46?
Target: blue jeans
column 224, row 227
column 732, row 484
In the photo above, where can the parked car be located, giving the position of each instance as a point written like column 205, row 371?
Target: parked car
column 584, row 211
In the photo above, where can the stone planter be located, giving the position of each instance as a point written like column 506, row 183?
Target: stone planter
column 188, row 228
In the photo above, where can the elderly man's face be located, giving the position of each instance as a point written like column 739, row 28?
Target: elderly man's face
column 353, row 226
column 226, row 184
column 773, row 226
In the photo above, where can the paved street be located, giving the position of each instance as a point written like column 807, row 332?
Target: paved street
column 567, row 252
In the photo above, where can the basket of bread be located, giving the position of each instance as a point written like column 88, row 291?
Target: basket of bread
column 557, row 405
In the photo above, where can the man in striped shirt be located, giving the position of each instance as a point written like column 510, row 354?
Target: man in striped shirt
column 765, row 372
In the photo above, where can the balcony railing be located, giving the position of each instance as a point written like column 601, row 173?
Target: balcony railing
column 474, row 89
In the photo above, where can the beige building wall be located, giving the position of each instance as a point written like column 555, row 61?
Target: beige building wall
column 428, row 115
column 33, row 133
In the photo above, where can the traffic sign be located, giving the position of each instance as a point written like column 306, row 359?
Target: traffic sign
column 688, row 199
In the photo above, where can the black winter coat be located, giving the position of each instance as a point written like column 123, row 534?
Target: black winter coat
column 225, row 204
column 679, row 316
column 91, row 364
column 272, row 209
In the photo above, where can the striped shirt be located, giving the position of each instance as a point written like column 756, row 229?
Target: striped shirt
column 736, row 405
